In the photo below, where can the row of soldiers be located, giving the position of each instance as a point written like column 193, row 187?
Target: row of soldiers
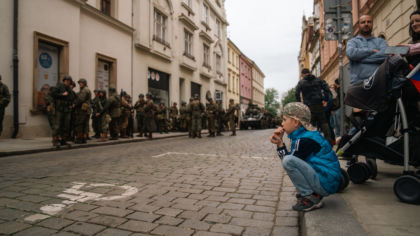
column 69, row 114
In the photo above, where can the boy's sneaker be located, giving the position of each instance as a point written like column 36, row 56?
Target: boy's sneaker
column 308, row 203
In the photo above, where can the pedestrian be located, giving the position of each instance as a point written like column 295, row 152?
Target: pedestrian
column 197, row 113
column 82, row 111
column 139, row 107
column 314, row 92
column 4, row 101
column 49, row 106
column 125, row 114
column 365, row 52
column 161, row 118
column 232, row 109
column 188, row 118
column 173, row 116
column 72, row 134
column 211, row 110
column 150, row 110
column 130, row 127
column 311, row 164
column 63, row 100
column 114, row 103
column 220, row 115
column 96, row 123
column 101, row 113
column 182, row 117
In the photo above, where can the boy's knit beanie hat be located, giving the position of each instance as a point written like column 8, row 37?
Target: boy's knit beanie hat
column 300, row 112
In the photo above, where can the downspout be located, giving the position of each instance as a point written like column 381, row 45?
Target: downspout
column 132, row 51
column 15, row 70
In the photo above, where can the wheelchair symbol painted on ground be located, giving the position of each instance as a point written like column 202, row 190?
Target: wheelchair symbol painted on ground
column 76, row 195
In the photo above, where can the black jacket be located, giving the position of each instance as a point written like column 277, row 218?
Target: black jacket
column 314, row 90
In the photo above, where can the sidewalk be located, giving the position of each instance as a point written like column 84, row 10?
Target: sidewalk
column 18, row 146
column 365, row 209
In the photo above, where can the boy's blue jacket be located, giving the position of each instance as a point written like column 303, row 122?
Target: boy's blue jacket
column 325, row 162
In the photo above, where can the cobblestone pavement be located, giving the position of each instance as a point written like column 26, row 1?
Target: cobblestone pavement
column 204, row 187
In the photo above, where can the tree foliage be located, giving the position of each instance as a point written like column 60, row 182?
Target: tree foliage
column 289, row 97
column 271, row 100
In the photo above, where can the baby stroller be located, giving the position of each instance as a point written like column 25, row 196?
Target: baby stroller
column 387, row 128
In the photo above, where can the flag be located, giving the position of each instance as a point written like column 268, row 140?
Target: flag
column 414, row 77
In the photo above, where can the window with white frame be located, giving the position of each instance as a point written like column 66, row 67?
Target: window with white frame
column 188, row 37
column 160, row 27
column 206, row 56
column 217, row 28
column 205, row 15
column 218, row 63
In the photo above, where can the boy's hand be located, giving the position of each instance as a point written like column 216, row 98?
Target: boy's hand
column 277, row 137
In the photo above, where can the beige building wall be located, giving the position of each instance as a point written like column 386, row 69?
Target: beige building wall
column 257, row 86
column 81, row 31
column 168, row 55
column 233, row 72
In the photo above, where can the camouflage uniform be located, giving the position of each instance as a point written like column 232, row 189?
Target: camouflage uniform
column 139, row 106
column 4, row 101
column 161, row 119
column 173, row 116
column 101, row 113
column 183, row 116
column 149, row 116
column 63, row 99
column 96, row 122
column 197, row 112
column 231, row 116
column 114, row 103
column 220, row 115
column 49, row 108
column 188, row 118
column 82, row 111
column 125, row 114
column 211, row 110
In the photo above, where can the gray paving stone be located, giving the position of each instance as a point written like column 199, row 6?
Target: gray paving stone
column 187, row 207
column 11, row 214
column 251, row 223
column 263, row 216
column 260, row 208
column 84, row 228
column 231, row 206
column 114, row 232
column 195, row 224
column 218, row 218
column 256, row 231
column 228, row 229
column 62, row 233
column 192, row 215
column 110, row 221
column 172, row 231
column 38, row 231
column 33, row 198
column 12, row 227
column 266, row 203
column 208, row 203
column 143, row 216
column 10, row 194
column 287, row 221
column 144, row 208
column 239, row 195
column 217, row 198
column 112, row 211
column 55, row 223
column 223, row 189
column 83, row 207
column 238, row 213
column 190, row 190
column 169, row 220
column 79, row 215
column 168, row 212
column 266, row 198
column 138, row 226
column 198, row 196
column 287, row 213
column 285, row 231
column 214, row 193
column 205, row 233
column 242, row 201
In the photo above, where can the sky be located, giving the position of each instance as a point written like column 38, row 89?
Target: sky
column 269, row 33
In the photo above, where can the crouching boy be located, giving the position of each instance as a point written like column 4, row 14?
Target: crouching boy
column 311, row 163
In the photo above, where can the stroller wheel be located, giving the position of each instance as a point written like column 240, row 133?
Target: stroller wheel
column 407, row 189
column 371, row 162
column 345, row 180
column 359, row 172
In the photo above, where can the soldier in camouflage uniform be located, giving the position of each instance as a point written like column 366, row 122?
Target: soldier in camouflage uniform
column 149, row 115
column 161, row 118
column 49, row 107
column 173, row 116
column 188, row 118
column 220, row 116
column 72, row 133
column 63, row 100
column 4, row 101
column 183, row 116
column 211, row 110
column 82, row 111
column 96, row 123
column 114, row 103
column 139, row 107
column 101, row 113
column 197, row 112
column 125, row 114
column 231, row 116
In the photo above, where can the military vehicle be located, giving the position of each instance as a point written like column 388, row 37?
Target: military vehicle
column 255, row 118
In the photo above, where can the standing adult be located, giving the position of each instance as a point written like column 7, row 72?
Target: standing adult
column 101, row 114
column 114, row 103
column 197, row 112
column 173, row 116
column 82, row 111
column 149, row 116
column 63, row 100
column 139, row 107
column 125, row 114
column 314, row 91
column 188, row 118
column 96, row 123
column 183, row 116
column 211, row 117
column 4, row 101
column 231, row 116
column 220, row 115
column 365, row 51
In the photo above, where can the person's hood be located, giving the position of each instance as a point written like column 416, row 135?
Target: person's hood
column 309, row 77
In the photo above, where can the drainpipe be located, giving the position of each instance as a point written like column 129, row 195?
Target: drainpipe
column 15, row 70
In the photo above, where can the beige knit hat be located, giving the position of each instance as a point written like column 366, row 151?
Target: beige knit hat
column 300, row 112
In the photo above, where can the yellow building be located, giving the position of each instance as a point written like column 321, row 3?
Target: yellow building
column 257, row 85
column 303, row 57
column 233, row 72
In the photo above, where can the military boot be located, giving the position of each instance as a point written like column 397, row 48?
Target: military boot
column 150, row 135
column 103, row 137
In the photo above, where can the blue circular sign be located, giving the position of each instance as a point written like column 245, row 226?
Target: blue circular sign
column 45, row 60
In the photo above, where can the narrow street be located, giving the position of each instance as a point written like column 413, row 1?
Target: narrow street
column 210, row 186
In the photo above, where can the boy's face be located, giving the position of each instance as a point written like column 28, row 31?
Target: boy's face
column 289, row 124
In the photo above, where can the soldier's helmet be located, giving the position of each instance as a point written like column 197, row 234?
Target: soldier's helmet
column 300, row 112
column 82, row 81
column 141, row 95
column 67, row 77
column 112, row 89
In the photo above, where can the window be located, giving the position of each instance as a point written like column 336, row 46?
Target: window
column 206, row 56
column 188, row 37
column 217, row 28
column 106, row 7
column 218, row 64
column 160, row 28
column 205, row 14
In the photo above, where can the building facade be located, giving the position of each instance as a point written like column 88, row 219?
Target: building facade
column 233, row 72
column 245, row 81
column 84, row 39
column 257, row 85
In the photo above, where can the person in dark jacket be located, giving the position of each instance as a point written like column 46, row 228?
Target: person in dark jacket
column 314, row 92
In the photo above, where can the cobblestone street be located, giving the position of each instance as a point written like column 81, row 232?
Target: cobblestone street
column 210, row 186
